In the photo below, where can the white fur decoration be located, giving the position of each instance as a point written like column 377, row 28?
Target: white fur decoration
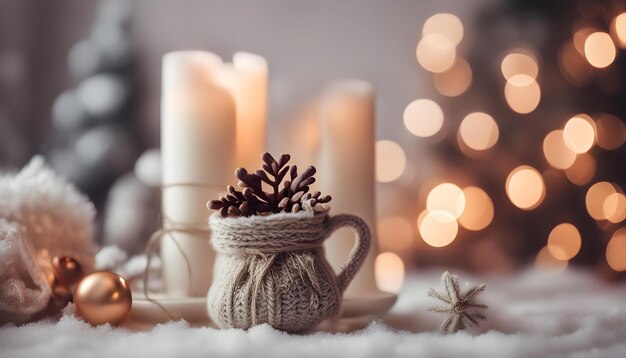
column 42, row 216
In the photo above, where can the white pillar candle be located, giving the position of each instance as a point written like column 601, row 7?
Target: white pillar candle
column 246, row 79
column 197, row 148
column 347, row 169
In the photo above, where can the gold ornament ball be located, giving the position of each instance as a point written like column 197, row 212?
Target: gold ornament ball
column 103, row 297
column 67, row 270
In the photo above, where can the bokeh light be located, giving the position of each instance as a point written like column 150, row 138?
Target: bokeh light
column 558, row 155
column 446, row 197
column 579, row 133
column 525, row 187
column 438, row 228
column 616, row 251
column 479, row 131
column 444, row 24
column 548, row 263
column 580, row 37
column 618, row 29
column 421, row 217
column 456, row 80
column 389, row 272
column 478, row 212
column 68, row 111
column 520, row 62
column 599, row 49
column 521, row 94
column 390, row 161
column 614, row 207
column 395, row 233
column 102, row 94
column 564, row 241
column 436, row 53
column 583, row 169
column 148, row 168
column 595, row 198
column 423, row 117
column 610, row 131
column 573, row 66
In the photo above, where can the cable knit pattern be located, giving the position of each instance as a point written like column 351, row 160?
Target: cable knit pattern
column 272, row 269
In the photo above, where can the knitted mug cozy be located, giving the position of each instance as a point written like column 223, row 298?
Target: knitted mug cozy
column 272, row 269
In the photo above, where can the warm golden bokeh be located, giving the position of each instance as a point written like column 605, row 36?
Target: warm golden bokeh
column 438, row 228
column 421, row 217
column 595, row 198
column 524, row 98
column 446, row 197
column 479, row 131
column 580, row 37
column 389, row 272
column 436, row 53
column 456, row 80
column 478, row 212
column 564, row 241
column 395, row 233
column 525, row 187
column 573, row 66
column 610, row 131
column 546, row 262
column 423, row 117
column 556, row 152
column 390, row 161
column 618, row 30
column 444, row 24
column 579, row 133
column 614, row 207
column 599, row 49
column 471, row 153
column 583, row 169
column 520, row 62
column 616, row 251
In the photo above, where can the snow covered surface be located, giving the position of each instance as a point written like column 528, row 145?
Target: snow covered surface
column 532, row 314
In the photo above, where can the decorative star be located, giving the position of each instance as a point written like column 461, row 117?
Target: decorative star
column 460, row 305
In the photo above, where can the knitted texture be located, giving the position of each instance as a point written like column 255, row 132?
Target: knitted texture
column 272, row 269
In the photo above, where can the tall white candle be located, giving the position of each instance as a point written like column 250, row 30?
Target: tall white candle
column 347, row 169
column 197, row 148
column 246, row 79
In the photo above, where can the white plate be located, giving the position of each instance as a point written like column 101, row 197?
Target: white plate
column 358, row 312
column 361, row 309
column 372, row 304
column 191, row 309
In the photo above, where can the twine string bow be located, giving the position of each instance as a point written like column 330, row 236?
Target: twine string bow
column 168, row 229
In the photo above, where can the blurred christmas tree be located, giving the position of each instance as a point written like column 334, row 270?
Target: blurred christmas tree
column 531, row 136
column 95, row 140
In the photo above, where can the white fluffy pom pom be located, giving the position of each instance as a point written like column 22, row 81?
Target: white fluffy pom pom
column 43, row 216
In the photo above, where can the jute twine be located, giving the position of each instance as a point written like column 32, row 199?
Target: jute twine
column 168, row 229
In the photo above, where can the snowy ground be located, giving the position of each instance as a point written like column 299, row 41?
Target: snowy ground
column 531, row 315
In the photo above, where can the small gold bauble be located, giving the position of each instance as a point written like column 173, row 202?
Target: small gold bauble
column 102, row 297
column 67, row 270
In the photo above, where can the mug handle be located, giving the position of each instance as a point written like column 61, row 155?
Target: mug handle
column 359, row 253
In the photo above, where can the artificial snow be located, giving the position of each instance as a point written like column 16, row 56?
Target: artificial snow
column 531, row 314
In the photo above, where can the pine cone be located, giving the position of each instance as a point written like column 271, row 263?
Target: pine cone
column 253, row 200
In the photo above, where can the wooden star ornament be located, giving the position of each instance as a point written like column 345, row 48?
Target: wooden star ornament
column 459, row 305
